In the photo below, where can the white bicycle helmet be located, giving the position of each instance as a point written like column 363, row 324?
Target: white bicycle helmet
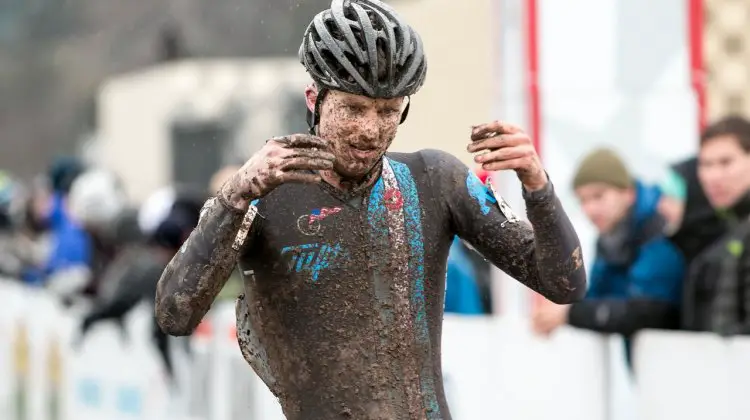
column 97, row 198
column 155, row 209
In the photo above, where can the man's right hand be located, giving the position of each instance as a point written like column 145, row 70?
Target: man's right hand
column 281, row 160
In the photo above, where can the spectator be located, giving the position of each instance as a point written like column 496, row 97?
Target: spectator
column 468, row 276
column 96, row 203
column 462, row 293
column 691, row 221
column 717, row 289
column 168, row 218
column 63, row 172
column 12, row 258
column 636, row 277
column 69, row 243
column 33, row 233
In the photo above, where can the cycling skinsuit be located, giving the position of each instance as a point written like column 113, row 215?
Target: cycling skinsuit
column 343, row 304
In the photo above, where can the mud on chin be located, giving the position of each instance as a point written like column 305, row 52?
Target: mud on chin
column 354, row 168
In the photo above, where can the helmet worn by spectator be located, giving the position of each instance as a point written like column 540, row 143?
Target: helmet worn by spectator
column 97, row 198
column 155, row 209
column 169, row 215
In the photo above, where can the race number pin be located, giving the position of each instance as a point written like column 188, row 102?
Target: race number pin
column 505, row 209
column 247, row 223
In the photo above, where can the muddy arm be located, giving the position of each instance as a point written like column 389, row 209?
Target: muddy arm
column 552, row 261
column 546, row 258
column 197, row 273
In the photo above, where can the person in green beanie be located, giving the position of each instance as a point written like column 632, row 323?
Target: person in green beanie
column 636, row 278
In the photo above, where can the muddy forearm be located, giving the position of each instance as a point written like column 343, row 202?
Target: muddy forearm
column 561, row 274
column 196, row 274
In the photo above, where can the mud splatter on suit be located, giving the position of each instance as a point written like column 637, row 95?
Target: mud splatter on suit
column 344, row 320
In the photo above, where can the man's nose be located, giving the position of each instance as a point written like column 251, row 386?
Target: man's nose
column 714, row 176
column 369, row 131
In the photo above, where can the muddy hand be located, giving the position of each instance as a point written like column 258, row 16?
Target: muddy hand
column 294, row 158
column 502, row 146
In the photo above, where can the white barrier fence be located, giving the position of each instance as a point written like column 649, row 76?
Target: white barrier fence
column 494, row 368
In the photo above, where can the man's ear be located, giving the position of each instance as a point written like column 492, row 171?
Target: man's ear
column 311, row 95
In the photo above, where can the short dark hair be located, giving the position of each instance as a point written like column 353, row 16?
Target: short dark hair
column 735, row 126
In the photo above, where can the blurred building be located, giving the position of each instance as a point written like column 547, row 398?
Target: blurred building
column 182, row 121
column 726, row 56
column 55, row 54
column 461, row 42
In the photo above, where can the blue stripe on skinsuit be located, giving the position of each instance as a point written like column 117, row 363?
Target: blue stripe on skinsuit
column 377, row 217
column 413, row 225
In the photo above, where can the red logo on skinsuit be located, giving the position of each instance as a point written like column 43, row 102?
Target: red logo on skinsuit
column 393, row 199
column 320, row 214
column 309, row 224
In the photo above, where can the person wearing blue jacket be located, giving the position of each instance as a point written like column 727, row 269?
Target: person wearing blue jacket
column 70, row 244
column 462, row 293
column 636, row 276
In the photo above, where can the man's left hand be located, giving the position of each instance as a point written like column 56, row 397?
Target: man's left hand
column 506, row 146
column 549, row 316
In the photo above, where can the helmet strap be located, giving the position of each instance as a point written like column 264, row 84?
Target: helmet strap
column 406, row 110
column 313, row 118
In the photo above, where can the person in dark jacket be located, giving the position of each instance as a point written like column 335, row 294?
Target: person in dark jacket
column 692, row 223
column 717, row 290
column 636, row 277
column 136, row 271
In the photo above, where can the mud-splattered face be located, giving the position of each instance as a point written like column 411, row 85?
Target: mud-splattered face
column 360, row 129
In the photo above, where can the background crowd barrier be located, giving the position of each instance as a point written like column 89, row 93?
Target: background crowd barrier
column 494, row 368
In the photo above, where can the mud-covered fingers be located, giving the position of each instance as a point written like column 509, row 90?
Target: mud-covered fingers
column 308, row 153
column 495, row 127
column 299, row 177
column 306, row 163
column 517, row 164
column 497, row 142
column 305, row 141
column 501, row 154
column 299, row 141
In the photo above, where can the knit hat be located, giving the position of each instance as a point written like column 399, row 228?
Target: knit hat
column 602, row 166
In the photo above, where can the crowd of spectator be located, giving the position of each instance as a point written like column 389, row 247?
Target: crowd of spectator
column 669, row 256
column 74, row 233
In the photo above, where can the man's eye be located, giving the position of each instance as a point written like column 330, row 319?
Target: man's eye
column 726, row 161
column 388, row 111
